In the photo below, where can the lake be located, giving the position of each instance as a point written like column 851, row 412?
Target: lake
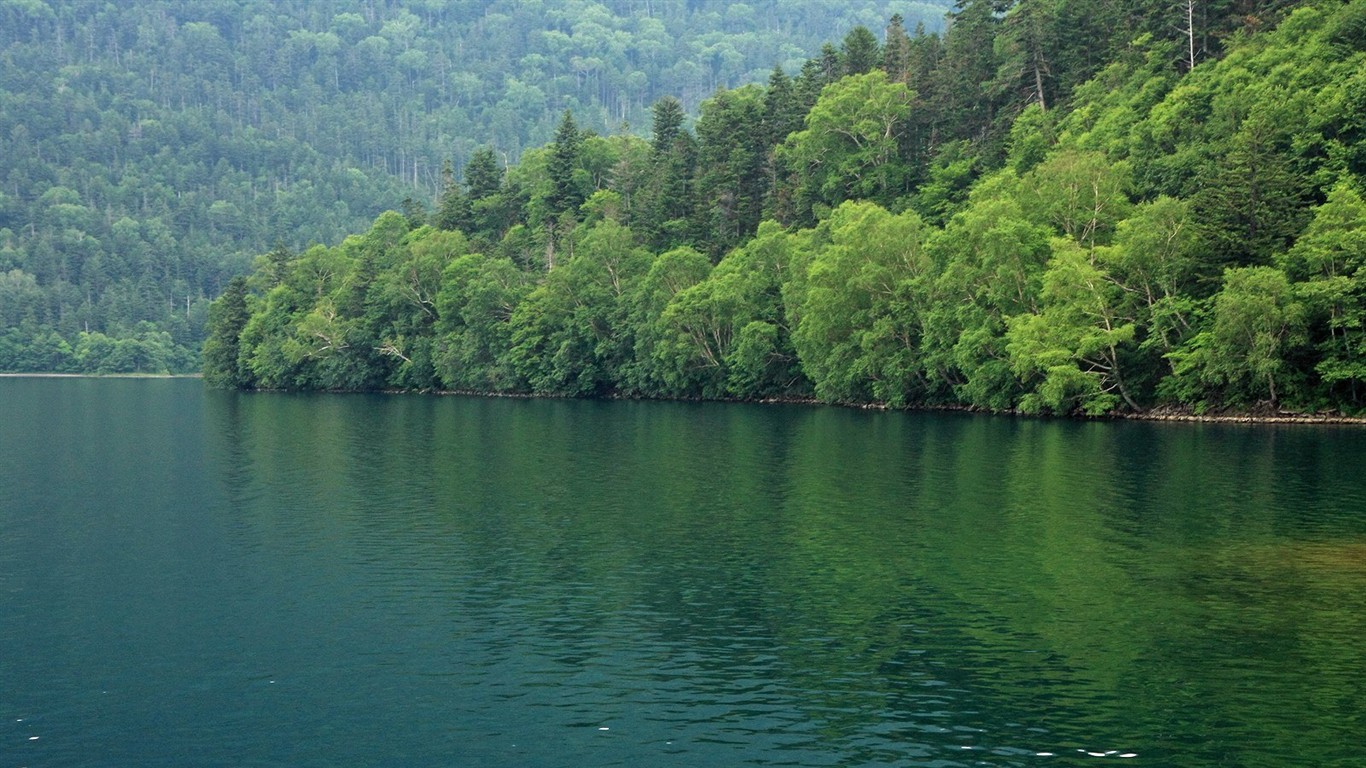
column 192, row 577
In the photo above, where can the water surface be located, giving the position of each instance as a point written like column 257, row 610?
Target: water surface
column 190, row 577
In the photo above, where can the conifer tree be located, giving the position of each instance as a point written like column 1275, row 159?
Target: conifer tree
column 565, row 194
column 453, row 210
column 860, row 52
column 668, row 122
column 782, row 112
column 483, row 174
column 896, row 51
column 228, row 315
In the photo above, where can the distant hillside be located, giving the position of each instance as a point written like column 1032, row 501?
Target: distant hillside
column 149, row 148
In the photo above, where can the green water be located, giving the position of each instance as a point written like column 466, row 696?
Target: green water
column 190, row 577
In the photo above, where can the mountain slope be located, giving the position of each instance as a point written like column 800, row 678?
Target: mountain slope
column 149, row 149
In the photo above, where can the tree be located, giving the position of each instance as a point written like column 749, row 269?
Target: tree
column 1024, row 46
column 732, row 154
column 782, row 111
column 453, row 210
column 859, row 305
column 848, row 149
column 1257, row 324
column 723, row 336
column 1328, row 263
column 896, row 51
column 1070, row 353
column 483, row 174
column 565, row 195
column 1252, row 206
column 967, row 110
column 475, row 306
column 669, row 274
column 1080, row 193
column 223, row 362
column 668, row 122
column 992, row 258
column 860, row 52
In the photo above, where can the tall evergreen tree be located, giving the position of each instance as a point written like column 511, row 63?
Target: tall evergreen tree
column 453, row 209
column 782, row 111
column 860, row 52
column 565, row 195
column 483, row 174
column 896, row 51
column 668, row 122
column 228, row 316
column 969, row 60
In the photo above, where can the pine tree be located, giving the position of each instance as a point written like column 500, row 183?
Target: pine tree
column 222, row 350
column 483, row 174
column 277, row 263
column 782, row 111
column 860, row 52
column 896, row 51
column 668, row 122
column 809, row 83
column 565, row 194
column 453, row 210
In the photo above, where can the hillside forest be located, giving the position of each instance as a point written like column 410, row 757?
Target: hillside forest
column 1054, row 206
column 149, row 149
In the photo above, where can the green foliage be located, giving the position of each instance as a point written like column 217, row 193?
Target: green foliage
column 222, row 350
column 856, row 307
column 732, row 156
column 1244, row 356
column 1044, row 243
column 141, row 168
column 1070, row 354
column 860, row 52
column 849, row 147
column 1329, row 264
column 475, row 305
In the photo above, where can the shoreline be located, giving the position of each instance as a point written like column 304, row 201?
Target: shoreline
column 1156, row 415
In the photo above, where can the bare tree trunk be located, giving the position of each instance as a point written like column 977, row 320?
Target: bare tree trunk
column 1190, row 34
column 1038, row 85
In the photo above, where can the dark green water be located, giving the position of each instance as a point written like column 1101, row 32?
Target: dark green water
column 191, row 577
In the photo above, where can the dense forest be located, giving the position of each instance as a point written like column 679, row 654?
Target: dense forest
column 149, row 149
column 1054, row 206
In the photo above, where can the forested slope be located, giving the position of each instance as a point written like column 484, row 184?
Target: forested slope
column 149, row 148
column 1002, row 217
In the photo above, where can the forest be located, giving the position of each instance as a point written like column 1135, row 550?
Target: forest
column 1054, row 206
column 150, row 149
